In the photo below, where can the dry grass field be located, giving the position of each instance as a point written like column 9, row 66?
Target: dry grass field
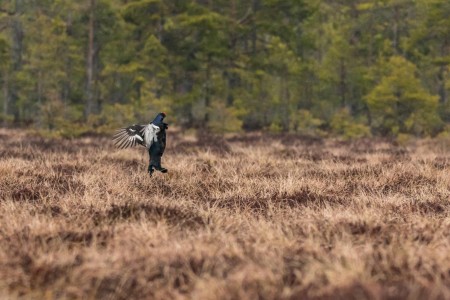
column 247, row 217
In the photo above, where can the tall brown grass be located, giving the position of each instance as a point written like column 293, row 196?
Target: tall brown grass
column 246, row 217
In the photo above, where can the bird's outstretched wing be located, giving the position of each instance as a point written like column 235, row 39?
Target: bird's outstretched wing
column 129, row 136
column 134, row 135
column 150, row 133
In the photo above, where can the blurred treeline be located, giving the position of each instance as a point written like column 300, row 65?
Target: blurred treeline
column 352, row 68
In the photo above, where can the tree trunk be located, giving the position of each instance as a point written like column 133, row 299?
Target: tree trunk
column 90, row 61
column 395, row 29
column 39, row 96
column 17, row 45
column 442, row 75
column 442, row 88
column 5, row 97
column 254, row 34
column 66, row 87
column 285, row 99
column 343, row 83
column 17, row 51
column 207, row 91
column 229, row 76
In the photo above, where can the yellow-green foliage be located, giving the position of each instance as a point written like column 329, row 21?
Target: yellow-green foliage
column 399, row 103
column 113, row 116
column 344, row 125
column 6, row 118
column 224, row 119
column 304, row 122
column 60, row 120
column 275, row 127
column 444, row 137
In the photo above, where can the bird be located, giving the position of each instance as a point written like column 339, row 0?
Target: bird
column 152, row 136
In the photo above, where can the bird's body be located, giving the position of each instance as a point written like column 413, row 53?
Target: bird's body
column 152, row 136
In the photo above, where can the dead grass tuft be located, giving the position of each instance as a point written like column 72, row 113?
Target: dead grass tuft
column 136, row 212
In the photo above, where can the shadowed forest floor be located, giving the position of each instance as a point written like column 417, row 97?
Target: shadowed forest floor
column 245, row 217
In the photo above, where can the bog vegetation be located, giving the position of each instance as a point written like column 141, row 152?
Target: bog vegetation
column 351, row 68
column 233, row 219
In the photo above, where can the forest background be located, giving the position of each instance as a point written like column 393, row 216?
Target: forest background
column 352, row 68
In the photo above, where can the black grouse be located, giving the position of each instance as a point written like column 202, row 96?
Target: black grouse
column 152, row 136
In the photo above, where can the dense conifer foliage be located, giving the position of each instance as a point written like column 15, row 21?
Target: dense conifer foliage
column 346, row 67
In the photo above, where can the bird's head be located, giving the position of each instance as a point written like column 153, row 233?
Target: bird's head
column 159, row 118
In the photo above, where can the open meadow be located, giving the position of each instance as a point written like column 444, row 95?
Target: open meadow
column 246, row 217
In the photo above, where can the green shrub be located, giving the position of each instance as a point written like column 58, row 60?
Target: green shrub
column 304, row 122
column 344, row 125
column 399, row 103
column 224, row 119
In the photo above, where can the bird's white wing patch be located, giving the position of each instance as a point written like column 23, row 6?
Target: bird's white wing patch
column 150, row 135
